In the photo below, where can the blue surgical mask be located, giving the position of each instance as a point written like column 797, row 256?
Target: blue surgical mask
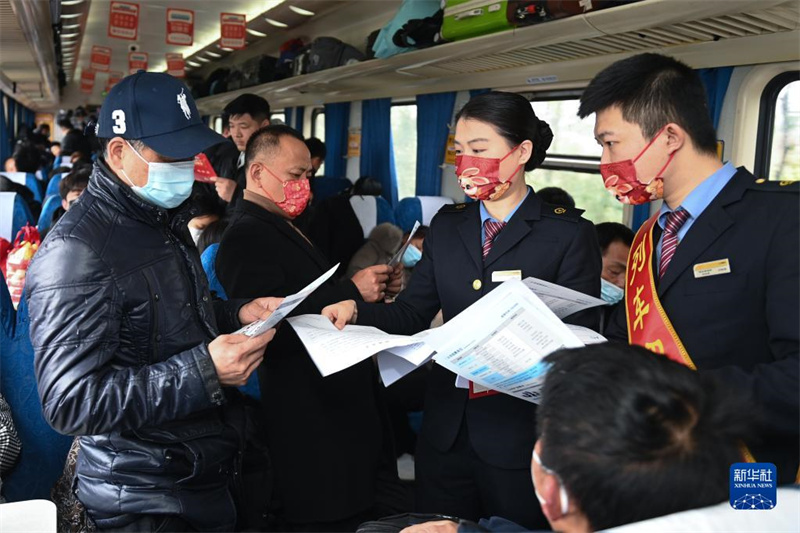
column 610, row 293
column 411, row 256
column 168, row 184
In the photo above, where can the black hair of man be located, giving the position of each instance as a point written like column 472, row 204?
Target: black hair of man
column 211, row 235
column 633, row 435
column 251, row 104
column 611, row 232
column 267, row 140
column 206, row 202
column 367, row 186
column 316, row 147
column 556, row 196
column 27, row 157
column 76, row 180
column 653, row 90
column 65, row 123
column 55, row 143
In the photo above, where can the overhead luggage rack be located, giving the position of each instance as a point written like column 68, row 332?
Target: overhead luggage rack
column 560, row 53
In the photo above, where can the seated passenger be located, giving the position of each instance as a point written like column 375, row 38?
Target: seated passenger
column 10, row 165
column 318, row 152
column 615, row 244
column 212, row 234
column 70, row 189
column 208, row 209
column 383, row 242
column 413, row 253
column 55, row 148
column 556, row 196
column 625, row 435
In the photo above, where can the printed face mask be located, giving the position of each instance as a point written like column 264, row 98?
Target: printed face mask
column 296, row 194
column 620, row 179
column 479, row 177
column 168, row 184
column 610, row 293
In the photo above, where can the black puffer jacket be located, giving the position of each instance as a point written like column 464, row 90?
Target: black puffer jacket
column 121, row 317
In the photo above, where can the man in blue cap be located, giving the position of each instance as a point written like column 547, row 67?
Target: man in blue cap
column 128, row 355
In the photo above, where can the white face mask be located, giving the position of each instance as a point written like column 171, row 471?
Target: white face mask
column 195, row 234
column 168, row 184
column 610, row 293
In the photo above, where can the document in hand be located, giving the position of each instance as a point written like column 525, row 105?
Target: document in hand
column 396, row 258
column 500, row 340
column 561, row 300
column 287, row 306
column 333, row 350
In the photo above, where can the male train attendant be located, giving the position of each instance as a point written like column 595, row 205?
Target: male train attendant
column 712, row 278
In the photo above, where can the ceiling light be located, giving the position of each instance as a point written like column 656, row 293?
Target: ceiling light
column 203, row 59
column 276, row 23
column 70, row 15
column 71, row 27
column 213, row 54
column 71, row 2
column 70, row 37
column 257, row 33
column 225, row 49
column 193, row 64
column 301, row 11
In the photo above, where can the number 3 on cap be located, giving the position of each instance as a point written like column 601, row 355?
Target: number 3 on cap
column 119, row 121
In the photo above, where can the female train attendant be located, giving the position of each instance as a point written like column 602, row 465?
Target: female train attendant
column 473, row 457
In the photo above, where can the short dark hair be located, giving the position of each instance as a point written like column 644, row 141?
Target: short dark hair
column 628, row 431
column 212, row 234
column 76, row 180
column 267, row 140
column 55, row 143
column 27, row 158
column 367, row 186
column 653, row 90
column 65, row 123
column 252, row 104
column 513, row 117
column 206, row 202
column 316, row 147
column 610, row 232
column 556, row 196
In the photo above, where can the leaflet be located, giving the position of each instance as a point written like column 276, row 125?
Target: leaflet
column 585, row 335
column 333, row 350
column 561, row 300
column 500, row 340
column 287, row 306
column 396, row 363
column 396, row 258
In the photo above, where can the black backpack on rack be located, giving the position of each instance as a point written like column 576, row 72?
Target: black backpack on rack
column 330, row 52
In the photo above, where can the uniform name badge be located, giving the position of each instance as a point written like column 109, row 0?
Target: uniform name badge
column 499, row 276
column 712, row 268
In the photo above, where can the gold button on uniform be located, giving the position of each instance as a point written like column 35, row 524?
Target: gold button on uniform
column 477, row 284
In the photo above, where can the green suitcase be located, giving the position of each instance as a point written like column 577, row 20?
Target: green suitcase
column 470, row 18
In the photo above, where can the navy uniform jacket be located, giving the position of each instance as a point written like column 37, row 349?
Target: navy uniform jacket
column 544, row 241
column 743, row 326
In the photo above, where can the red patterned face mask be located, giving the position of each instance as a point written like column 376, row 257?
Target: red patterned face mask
column 296, row 194
column 479, row 177
column 620, row 179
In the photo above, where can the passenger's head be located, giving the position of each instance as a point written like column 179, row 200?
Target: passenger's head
column 208, row 210
column 212, row 234
column 366, row 186
column 73, row 184
column 556, row 196
column 318, row 153
column 44, row 129
column 615, row 243
column 626, row 435
column 27, row 158
column 650, row 98
column 414, row 251
column 275, row 158
column 246, row 114
column 65, row 124
column 55, row 148
column 499, row 126
column 10, row 165
column 147, row 120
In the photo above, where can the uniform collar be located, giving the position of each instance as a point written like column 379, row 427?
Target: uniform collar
column 699, row 199
column 486, row 216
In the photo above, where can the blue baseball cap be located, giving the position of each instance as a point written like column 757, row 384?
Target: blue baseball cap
column 159, row 110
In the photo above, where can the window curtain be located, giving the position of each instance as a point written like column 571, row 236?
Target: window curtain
column 11, row 118
column 30, row 117
column 289, row 114
column 294, row 117
column 377, row 153
column 434, row 112
column 5, row 140
column 337, row 121
column 716, row 81
column 475, row 92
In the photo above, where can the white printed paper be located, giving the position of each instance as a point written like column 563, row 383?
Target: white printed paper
column 561, row 300
column 287, row 306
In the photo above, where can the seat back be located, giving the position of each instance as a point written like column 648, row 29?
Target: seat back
column 28, row 180
column 326, row 187
column 52, row 186
column 419, row 208
column 371, row 211
column 44, row 450
column 14, row 214
column 51, row 204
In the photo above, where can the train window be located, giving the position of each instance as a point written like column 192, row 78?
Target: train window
column 572, row 160
column 218, row 124
column 778, row 141
column 278, row 118
column 404, row 143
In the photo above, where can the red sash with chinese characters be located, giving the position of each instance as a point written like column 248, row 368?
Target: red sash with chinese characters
column 648, row 323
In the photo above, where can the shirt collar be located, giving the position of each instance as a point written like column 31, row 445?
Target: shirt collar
column 701, row 197
column 240, row 161
column 486, row 216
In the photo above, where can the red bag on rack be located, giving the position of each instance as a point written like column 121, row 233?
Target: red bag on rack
column 19, row 257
